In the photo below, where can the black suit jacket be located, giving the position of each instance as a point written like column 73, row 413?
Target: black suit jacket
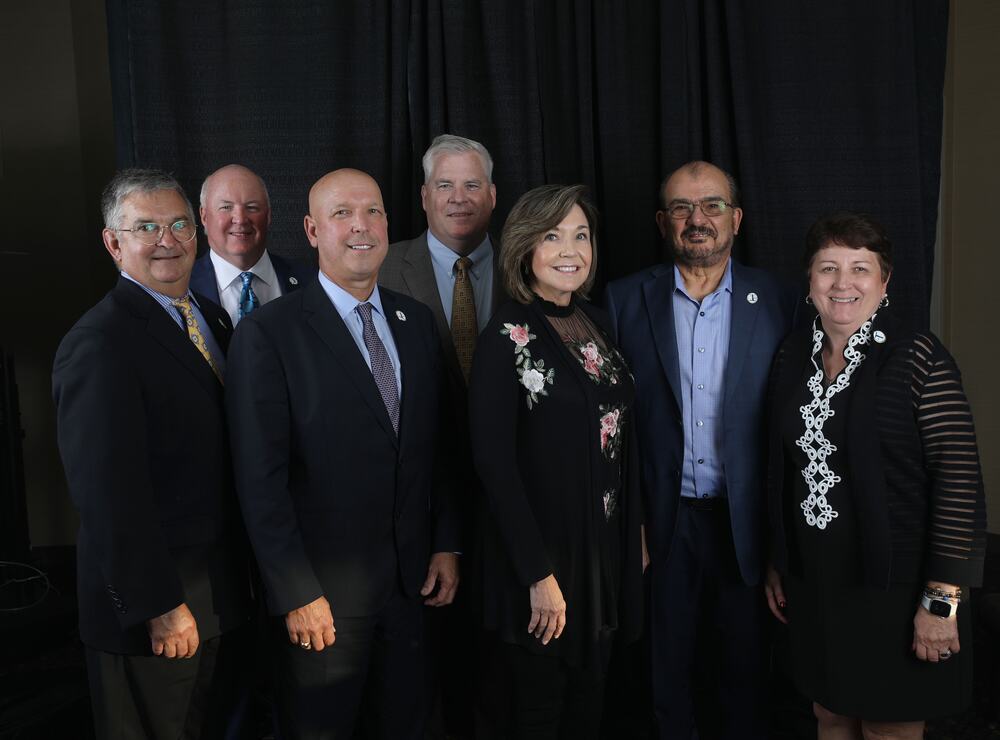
column 291, row 276
column 335, row 503
column 408, row 270
column 142, row 433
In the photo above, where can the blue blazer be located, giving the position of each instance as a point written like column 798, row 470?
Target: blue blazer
column 763, row 310
column 291, row 276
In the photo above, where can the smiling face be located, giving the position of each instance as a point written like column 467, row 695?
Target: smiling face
column 348, row 225
column 560, row 264
column 236, row 215
column 698, row 240
column 845, row 285
column 459, row 200
column 165, row 266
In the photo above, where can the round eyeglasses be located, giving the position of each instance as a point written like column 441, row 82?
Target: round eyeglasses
column 711, row 207
column 150, row 233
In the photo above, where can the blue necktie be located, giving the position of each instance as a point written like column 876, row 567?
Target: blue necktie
column 382, row 370
column 248, row 299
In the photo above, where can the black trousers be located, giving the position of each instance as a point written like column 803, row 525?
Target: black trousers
column 551, row 700
column 372, row 677
column 702, row 609
column 154, row 697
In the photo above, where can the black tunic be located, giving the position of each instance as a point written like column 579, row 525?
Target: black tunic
column 850, row 643
column 551, row 415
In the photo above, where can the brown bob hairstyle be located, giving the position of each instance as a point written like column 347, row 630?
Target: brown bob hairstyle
column 536, row 212
column 853, row 230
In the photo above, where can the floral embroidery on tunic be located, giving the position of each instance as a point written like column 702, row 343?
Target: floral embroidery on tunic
column 610, row 503
column 600, row 367
column 819, row 477
column 532, row 374
column 611, row 428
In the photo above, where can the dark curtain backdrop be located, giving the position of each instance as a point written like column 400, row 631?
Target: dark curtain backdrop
column 814, row 106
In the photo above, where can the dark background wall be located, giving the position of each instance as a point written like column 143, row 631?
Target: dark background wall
column 611, row 94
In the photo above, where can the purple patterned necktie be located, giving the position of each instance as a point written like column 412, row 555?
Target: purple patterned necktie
column 382, row 370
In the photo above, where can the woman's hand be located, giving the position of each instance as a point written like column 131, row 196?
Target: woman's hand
column 775, row 594
column 645, row 552
column 548, row 609
column 935, row 638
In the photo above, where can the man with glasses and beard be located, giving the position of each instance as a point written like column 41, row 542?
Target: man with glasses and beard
column 699, row 335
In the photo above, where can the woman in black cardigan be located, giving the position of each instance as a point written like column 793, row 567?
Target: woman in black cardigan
column 551, row 405
column 876, row 501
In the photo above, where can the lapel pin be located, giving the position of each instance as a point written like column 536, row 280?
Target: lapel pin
column 400, row 315
column 751, row 298
column 879, row 336
column 293, row 281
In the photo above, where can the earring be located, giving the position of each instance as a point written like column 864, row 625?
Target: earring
column 809, row 300
column 884, row 302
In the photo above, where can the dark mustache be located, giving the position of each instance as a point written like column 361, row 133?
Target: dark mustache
column 699, row 231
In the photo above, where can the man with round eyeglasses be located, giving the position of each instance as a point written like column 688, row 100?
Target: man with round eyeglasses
column 161, row 558
column 699, row 335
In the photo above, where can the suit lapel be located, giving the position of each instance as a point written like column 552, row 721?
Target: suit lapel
column 203, row 279
column 418, row 274
column 168, row 334
column 743, row 318
column 323, row 318
column 659, row 295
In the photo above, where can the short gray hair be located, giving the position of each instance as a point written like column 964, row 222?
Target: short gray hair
column 136, row 180
column 204, row 184
column 455, row 145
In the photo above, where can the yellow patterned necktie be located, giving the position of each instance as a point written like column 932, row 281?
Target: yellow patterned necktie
column 194, row 333
column 464, row 327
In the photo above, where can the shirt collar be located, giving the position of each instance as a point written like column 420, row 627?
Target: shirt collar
column 227, row 273
column 444, row 257
column 343, row 301
column 161, row 298
column 725, row 284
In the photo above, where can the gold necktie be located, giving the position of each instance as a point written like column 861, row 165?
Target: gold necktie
column 464, row 326
column 194, row 333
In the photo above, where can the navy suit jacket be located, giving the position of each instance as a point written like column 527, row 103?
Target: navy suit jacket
column 763, row 310
column 143, row 439
column 336, row 504
column 291, row 276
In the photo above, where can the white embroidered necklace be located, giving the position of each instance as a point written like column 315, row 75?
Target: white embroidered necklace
column 820, row 479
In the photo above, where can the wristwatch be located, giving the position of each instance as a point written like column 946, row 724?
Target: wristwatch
column 939, row 607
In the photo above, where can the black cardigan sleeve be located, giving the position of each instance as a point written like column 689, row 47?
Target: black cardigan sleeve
column 496, row 403
column 956, row 540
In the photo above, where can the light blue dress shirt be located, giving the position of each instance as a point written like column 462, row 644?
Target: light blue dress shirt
column 346, row 306
column 218, row 356
column 702, row 331
column 481, row 274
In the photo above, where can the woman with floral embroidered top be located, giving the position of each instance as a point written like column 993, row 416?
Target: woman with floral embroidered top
column 550, row 405
column 876, row 500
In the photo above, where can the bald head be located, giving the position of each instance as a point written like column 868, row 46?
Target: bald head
column 236, row 213
column 347, row 225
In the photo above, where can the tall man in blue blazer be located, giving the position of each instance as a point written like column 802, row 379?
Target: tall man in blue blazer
column 699, row 336
column 334, row 394
column 162, row 562
column 238, row 272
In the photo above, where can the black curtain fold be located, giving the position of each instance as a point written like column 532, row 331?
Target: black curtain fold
column 814, row 106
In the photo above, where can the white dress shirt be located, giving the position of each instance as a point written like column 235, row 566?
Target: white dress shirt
column 227, row 277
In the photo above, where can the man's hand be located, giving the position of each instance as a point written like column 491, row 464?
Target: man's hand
column 443, row 573
column 548, row 609
column 174, row 634
column 311, row 626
